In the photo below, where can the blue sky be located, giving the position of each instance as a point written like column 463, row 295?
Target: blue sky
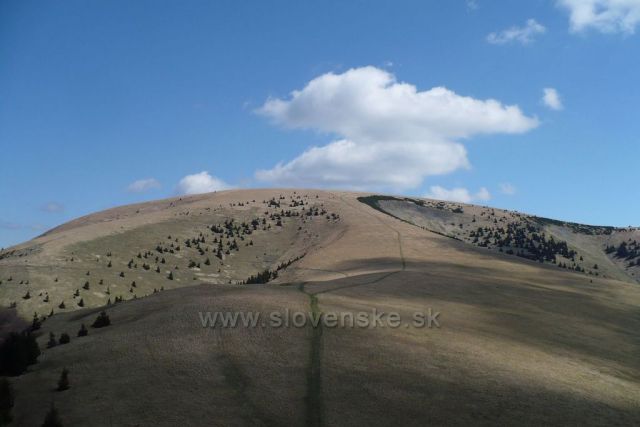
column 107, row 103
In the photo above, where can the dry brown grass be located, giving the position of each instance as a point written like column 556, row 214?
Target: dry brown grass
column 519, row 342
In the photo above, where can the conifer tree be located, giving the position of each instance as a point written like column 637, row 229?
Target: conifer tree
column 36, row 323
column 52, row 419
column 83, row 332
column 6, row 401
column 102, row 320
column 63, row 382
column 52, row 340
column 17, row 352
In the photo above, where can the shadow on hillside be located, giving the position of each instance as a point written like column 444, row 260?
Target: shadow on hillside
column 549, row 312
column 10, row 322
column 398, row 394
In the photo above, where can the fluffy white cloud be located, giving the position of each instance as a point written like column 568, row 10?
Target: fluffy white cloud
column 607, row 16
column 458, row 194
column 508, row 189
column 349, row 164
column 142, row 185
column 523, row 35
column 7, row 225
column 200, row 183
column 389, row 133
column 551, row 98
column 52, row 207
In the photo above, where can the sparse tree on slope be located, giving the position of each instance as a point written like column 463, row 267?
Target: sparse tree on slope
column 102, row 320
column 52, row 419
column 63, row 382
column 6, row 401
column 83, row 332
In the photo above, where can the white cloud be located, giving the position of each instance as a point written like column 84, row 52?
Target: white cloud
column 142, row 185
column 472, row 4
column 551, row 98
column 52, row 207
column 508, row 189
column 7, row 225
column 389, row 134
column 200, row 183
column 458, row 194
column 349, row 164
column 522, row 35
column 606, row 16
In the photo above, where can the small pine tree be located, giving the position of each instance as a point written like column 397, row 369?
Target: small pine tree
column 52, row 340
column 52, row 419
column 17, row 352
column 62, row 306
column 64, row 338
column 102, row 320
column 6, row 401
column 63, row 382
column 170, row 276
column 36, row 323
column 81, row 303
column 83, row 332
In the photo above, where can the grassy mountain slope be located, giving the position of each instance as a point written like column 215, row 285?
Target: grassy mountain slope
column 136, row 250
column 570, row 246
column 519, row 341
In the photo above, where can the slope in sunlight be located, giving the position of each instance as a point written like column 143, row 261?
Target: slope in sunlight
column 518, row 341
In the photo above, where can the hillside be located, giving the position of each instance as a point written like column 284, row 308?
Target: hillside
column 599, row 251
column 131, row 251
column 521, row 338
column 136, row 250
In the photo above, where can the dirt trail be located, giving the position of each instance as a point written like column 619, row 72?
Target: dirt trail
column 314, row 396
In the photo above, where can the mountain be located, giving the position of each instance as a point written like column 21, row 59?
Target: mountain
column 535, row 320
